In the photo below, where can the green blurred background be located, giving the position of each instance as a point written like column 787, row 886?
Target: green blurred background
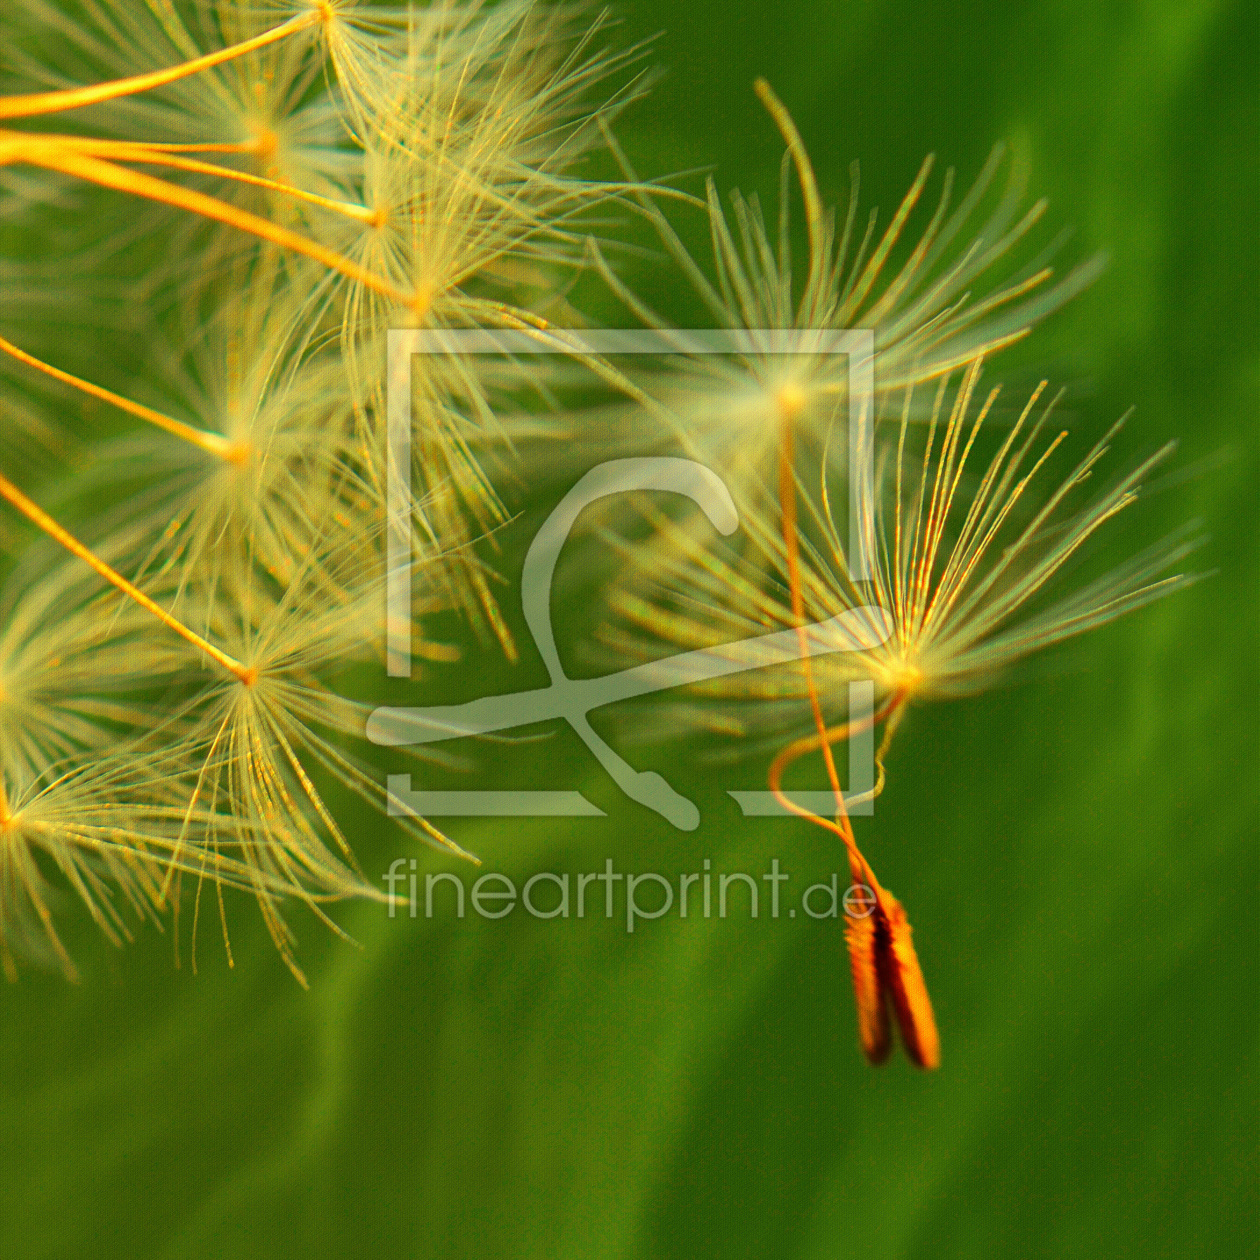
column 1077, row 849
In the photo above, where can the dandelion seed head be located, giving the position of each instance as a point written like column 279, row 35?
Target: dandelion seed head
column 321, row 169
column 973, row 564
column 316, row 173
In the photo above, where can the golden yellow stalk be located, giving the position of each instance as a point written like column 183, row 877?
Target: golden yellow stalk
column 361, row 214
column 37, row 516
column 40, row 103
column 214, row 443
column 172, row 156
column 54, row 154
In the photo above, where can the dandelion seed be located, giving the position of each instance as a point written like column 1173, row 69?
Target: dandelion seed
column 970, row 564
column 75, row 670
column 970, row 568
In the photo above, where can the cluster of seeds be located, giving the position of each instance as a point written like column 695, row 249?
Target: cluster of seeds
column 263, row 191
column 245, row 197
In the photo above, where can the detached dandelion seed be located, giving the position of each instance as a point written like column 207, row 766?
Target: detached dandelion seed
column 971, row 568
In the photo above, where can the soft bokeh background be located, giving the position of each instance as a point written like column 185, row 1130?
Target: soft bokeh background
column 1077, row 849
